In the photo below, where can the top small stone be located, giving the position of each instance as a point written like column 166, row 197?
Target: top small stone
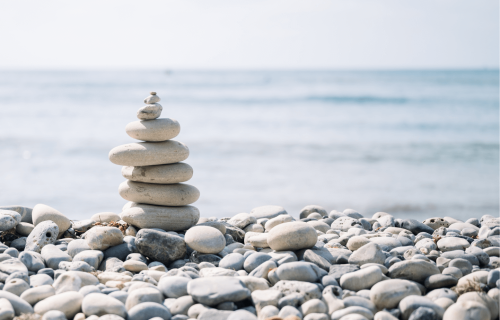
column 153, row 98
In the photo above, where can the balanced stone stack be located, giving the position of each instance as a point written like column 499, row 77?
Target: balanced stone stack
column 158, row 198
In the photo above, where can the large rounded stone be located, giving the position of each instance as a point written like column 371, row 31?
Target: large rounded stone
column 387, row 294
column 292, row 236
column 415, row 270
column 101, row 238
column 149, row 153
column 9, row 219
column 300, row 271
column 44, row 233
column 205, row 239
column 42, row 212
column 271, row 223
column 162, row 174
column 153, row 130
column 33, row 295
column 68, row 302
column 153, row 244
column 166, row 218
column 178, row 194
column 467, row 310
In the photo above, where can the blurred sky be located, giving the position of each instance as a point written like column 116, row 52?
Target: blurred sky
column 252, row 34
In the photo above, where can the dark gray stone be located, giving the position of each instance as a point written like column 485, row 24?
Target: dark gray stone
column 416, row 226
column 235, row 232
column 160, row 246
column 493, row 277
column 437, row 281
column 121, row 251
column 197, row 257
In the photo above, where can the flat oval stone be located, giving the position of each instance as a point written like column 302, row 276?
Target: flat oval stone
column 153, row 130
column 415, row 270
column 68, row 302
column 292, row 236
column 166, row 218
column 205, row 239
column 178, row 194
column 149, row 153
column 162, row 174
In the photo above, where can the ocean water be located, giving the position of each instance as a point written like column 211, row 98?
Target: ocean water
column 411, row 143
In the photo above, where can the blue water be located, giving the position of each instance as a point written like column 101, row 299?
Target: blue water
column 411, row 143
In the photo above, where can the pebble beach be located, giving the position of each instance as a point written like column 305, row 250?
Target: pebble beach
column 161, row 258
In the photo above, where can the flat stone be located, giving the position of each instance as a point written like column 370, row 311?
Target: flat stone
column 267, row 212
column 292, row 236
column 205, row 239
column 415, row 270
column 149, row 153
column 306, row 289
column 152, row 244
column 159, row 174
column 178, row 194
column 452, row 243
column 101, row 238
column 150, row 111
column 153, row 130
column 69, row 303
column 387, row 294
column 369, row 253
column 300, row 271
column 174, row 287
column 361, row 279
column 53, row 256
column 149, row 310
column 43, row 212
column 415, row 226
column 345, row 223
column 166, row 218
column 105, row 217
column 36, row 294
column 44, row 233
column 215, row 290
column 437, row 281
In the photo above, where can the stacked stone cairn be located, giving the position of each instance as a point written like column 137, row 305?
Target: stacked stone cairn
column 158, row 197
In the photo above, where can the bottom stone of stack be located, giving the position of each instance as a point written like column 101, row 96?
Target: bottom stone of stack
column 166, row 218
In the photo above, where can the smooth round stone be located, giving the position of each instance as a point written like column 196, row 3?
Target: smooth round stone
column 16, row 286
column 148, row 310
column 482, row 298
column 101, row 238
column 356, row 242
column 100, row 304
column 452, row 243
column 205, row 239
column 43, row 212
column 178, row 194
column 254, row 260
column 174, row 286
column 36, row 294
column 153, row 130
column 149, row 153
column 9, row 219
column 166, row 218
column 134, row 266
column 105, row 217
column 411, row 303
column 24, row 228
column 467, row 310
column 68, row 302
column 437, row 281
column 362, row 279
column 415, row 270
column 44, row 233
column 32, row 260
column 464, row 265
column 292, row 236
column 387, row 294
column 160, row 174
column 233, row 261
column 300, row 271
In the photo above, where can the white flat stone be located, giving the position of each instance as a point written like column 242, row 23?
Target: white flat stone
column 205, row 239
column 149, row 153
column 178, row 194
column 161, row 174
column 153, row 130
column 165, row 218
